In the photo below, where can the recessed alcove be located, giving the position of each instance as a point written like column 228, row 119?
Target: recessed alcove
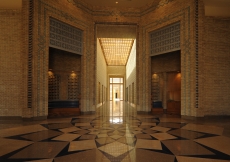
column 64, row 83
column 166, row 83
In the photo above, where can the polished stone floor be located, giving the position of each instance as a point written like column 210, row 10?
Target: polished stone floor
column 116, row 133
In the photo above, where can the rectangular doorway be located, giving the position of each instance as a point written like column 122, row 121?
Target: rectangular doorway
column 116, row 89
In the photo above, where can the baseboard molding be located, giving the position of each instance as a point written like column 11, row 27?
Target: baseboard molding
column 35, row 118
column 206, row 117
column 19, row 118
column 217, row 117
column 144, row 112
column 88, row 113
column 10, row 118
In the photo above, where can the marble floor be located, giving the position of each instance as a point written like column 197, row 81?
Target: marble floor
column 116, row 133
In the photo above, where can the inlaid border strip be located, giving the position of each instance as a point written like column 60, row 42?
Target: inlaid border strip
column 30, row 54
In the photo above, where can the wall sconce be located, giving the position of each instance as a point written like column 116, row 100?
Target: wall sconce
column 73, row 74
column 50, row 72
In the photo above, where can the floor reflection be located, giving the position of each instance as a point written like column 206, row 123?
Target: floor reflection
column 117, row 134
column 116, row 112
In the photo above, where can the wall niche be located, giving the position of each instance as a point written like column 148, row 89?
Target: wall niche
column 64, row 79
column 166, row 82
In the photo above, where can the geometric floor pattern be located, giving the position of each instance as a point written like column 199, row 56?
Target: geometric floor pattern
column 123, row 137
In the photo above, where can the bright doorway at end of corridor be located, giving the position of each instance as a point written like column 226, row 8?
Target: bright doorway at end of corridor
column 116, row 89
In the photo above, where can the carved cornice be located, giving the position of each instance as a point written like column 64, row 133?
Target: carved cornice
column 110, row 11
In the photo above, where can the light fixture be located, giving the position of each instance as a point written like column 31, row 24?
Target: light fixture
column 116, row 50
column 116, row 2
column 73, row 74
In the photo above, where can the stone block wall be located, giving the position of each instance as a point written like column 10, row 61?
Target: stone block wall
column 204, row 54
column 101, row 74
column 214, row 66
column 162, row 14
column 131, row 74
column 166, row 62
column 12, row 92
column 67, row 67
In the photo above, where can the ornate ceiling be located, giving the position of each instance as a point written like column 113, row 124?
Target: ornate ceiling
column 116, row 50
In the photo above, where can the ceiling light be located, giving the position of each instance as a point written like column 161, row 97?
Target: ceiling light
column 116, row 50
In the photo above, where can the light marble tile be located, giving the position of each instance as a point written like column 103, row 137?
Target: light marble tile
column 142, row 155
column 160, row 129
column 116, row 132
column 70, row 129
column 93, row 129
column 129, row 135
column 21, row 130
column 126, row 140
column 193, row 159
column 220, row 143
column 82, row 124
column 163, row 136
column 95, row 133
column 148, row 144
column 115, row 136
column 93, row 155
column 82, row 131
column 66, row 137
column 102, row 135
column 115, row 149
column 9, row 145
column 82, row 145
column 88, row 137
column 204, row 128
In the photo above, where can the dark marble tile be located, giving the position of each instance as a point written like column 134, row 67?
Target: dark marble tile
column 186, row 134
column 42, row 135
column 149, row 131
column 81, row 120
column 170, row 125
column 40, row 150
column 59, row 125
column 126, row 140
column 145, row 126
column 139, row 155
column 86, row 127
column 149, row 120
column 186, row 147
column 93, row 155
column 82, row 132
column 105, row 140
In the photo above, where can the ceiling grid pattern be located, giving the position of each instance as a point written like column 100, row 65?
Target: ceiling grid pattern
column 116, row 50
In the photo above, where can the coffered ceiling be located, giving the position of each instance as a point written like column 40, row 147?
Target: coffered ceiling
column 116, row 50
